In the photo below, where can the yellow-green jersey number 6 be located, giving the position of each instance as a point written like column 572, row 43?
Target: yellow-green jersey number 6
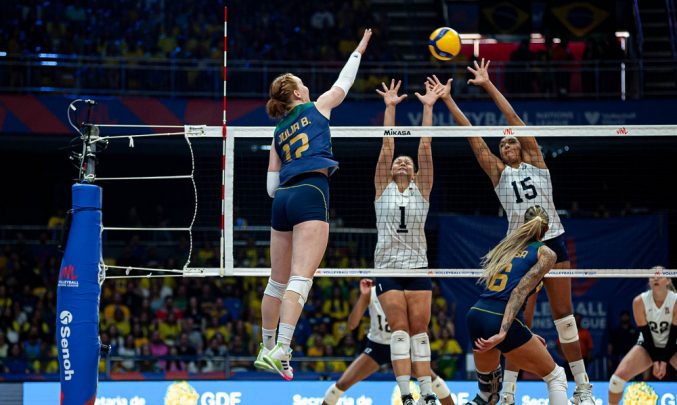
column 500, row 280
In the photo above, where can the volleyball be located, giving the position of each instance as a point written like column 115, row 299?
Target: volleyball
column 445, row 43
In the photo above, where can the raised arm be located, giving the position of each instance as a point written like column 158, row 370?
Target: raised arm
column 517, row 297
column 385, row 158
column 361, row 305
column 531, row 152
column 274, row 165
column 334, row 96
column 490, row 163
column 424, row 176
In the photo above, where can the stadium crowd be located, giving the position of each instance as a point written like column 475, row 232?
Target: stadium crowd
column 205, row 325
column 160, row 29
column 184, row 324
column 159, row 47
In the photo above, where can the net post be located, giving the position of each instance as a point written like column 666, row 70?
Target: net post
column 224, row 137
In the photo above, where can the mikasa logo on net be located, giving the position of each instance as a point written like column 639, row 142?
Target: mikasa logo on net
column 393, row 132
column 66, row 318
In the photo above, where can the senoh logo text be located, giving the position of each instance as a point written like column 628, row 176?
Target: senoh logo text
column 65, row 332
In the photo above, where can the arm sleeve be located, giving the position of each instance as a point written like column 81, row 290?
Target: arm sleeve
column 349, row 72
column 648, row 342
column 666, row 353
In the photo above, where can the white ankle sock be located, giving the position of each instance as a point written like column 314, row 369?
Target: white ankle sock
column 286, row 332
column 268, row 338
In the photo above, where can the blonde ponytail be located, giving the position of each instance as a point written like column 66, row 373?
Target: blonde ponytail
column 501, row 256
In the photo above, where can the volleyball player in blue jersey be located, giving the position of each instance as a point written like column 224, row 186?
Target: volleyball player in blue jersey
column 512, row 271
column 299, row 167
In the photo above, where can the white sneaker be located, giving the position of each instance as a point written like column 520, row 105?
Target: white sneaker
column 259, row 363
column 428, row 400
column 278, row 359
column 583, row 395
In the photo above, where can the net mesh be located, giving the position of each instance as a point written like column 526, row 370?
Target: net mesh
column 600, row 173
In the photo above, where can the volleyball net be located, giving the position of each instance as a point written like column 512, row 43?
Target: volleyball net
column 610, row 188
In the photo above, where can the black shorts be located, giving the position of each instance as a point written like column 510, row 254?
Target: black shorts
column 380, row 353
column 559, row 246
column 303, row 198
column 642, row 342
column 384, row 284
column 484, row 321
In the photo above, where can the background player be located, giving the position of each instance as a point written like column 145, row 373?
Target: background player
column 401, row 203
column 512, row 271
column 655, row 314
column 377, row 351
column 299, row 165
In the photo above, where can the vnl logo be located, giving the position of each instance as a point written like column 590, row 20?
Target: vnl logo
column 65, row 332
column 67, row 277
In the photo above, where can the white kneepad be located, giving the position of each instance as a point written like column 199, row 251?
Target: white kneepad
column 399, row 345
column 301, row 286
column 332, row 395
column 556, row 380
column 420, row 347
column 566, row 329
column 616, row 384
column 275, row 289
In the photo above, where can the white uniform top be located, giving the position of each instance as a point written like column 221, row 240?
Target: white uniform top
column 379, row 330
column 524, row 187
column 400, row 222
column 659, row 319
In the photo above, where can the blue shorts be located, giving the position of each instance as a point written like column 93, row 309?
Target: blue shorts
column 303, row 198
column 384, row 284
column 559, row 246
column 484, row 321
column 379, row 352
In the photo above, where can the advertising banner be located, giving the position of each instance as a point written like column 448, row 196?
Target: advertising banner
column 17, row 113
column 296, row 393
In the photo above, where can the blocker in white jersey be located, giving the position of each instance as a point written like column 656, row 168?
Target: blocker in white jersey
column 401, row 203
column 659, row 319
column 523, row 187
column 400, row 222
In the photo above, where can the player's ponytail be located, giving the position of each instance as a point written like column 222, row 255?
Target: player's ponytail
column 281, row 90
column 498, row 258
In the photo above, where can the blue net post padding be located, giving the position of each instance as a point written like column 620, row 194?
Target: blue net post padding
column 78, row 292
